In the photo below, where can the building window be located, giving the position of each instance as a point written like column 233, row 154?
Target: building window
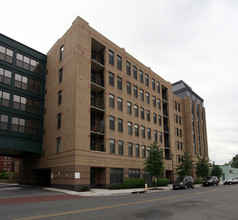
column 120, row 125
column 149, row 133
column 111, row 100
column 142, row 113
column 120, row 147
column 111, row 123
column 60, row 75
column 180, row 133
column 141, row 76
column 59, row 120
column 137, row 150
column 146, row 79
column 60, row 97
column 134, row 173
column 141, row 95
column 153, row 84
column 6, row 54
column 116, row 176
column 119, row 83
column 143, row 151
column 148, row 150
column 129, row 111
column 130, row 149
column 158, row 87
column 5, row 76
column 119, row 104
column 136, row 110
column 135, row 91
column 159, row 104
column 128, row 87
column 25, row 126
column 177, row 144
column 179, row 107
column 175, row 105
column 160, row 137
column 176, row 118
column 61, row 52
column 147, row 95
column 179, row 120
column 148, row 115
column 111, row 57
column 4, row 98
column 129, row 124
column 137, row 130
column 134, row 72
column 177, row 132
column 155, row 118
column 155, row 136
column 181, row 146
column 142, row 131
column 128, row 68
column 111, row 79
column 3, row 122
column 112, row 146
column 119, row 62
column 159, row 120
column 154, row 101
column 58, row 144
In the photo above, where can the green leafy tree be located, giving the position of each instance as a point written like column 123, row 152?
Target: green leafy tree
column 216, row 170
column 185, row 165
column 154, row 164
column 202, row 167
column 234, row 161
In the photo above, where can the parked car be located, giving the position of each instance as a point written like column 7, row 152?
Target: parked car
column 211, row 181
column 233, row 180
column 184, row 182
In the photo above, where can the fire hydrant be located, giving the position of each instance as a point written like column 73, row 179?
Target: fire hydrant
column 146, row 187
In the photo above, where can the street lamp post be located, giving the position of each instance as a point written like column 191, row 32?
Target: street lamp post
column 172, row 157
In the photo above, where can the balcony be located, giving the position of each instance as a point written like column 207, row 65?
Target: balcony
column 98, row 129
column 97, row 101
column 97, row 143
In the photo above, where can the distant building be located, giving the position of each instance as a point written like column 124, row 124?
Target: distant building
column 228, row 172
column 102, row 110
column 7, row 164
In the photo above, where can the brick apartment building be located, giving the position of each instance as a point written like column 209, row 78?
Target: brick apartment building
column 99, row 110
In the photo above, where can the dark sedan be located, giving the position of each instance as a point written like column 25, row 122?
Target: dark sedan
column 211, row 181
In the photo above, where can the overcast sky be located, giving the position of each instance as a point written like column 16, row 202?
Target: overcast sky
column 192, row 40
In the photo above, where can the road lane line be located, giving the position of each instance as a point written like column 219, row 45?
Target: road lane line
column 108, row 207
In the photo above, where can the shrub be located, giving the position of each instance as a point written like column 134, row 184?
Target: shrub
column 198, row 181
column 162, row 182
column 134, row 183
column 116, row 186
column 85, row 188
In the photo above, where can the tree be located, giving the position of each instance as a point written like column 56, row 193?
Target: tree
column 216, row 170
column 234, row 161
column 185, row 165
column 154, row 164
column 202, row 167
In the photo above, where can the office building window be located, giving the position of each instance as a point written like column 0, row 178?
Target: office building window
column 119, row 83
column 149, row 151
column 60, row 97
column 146, row 79
column 130, row 149
column 128, row 68
column 5, row 76
column 111, row 57
column 134, row 72
column 128, row 87
column 142, row 113
column 159, row 120
column 25, row 126
column 177, row 132
column 61, row 52
column 179, row 107
column 148, row 115
column 149, row 133
column 181, row 146
column 142, row 131
column 6, row 54
column 129, row 110
column 155, row 118
column 179, row 120
column 175, row 105
column 180, row 133
column 176, row 116
column 135, row 91
column 136, row 110
column 129, row 124
column 141, row 76
column 154, row 101
column 143, row 151
column 111, row 100
column 141, row 95
column 147, row 95
column 158, row 87
column 59, row 120
column 120, row 125
column 119, row 104
column 60, row 75
column 153, row 84
column 112, row 146
column 119, row 62
column 120, row 147
column 137, row 130
column 160, row 137
column 134, row 173
column 137, row 150
column 159, row 104
column 3, row 122
column 155, row 136
column 4, row 98
column 111, row 79
column 58, row 144
column 111, row 123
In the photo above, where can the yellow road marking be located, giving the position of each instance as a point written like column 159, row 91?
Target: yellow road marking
column 109, row 207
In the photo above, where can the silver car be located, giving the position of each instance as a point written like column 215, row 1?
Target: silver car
column 233, row 180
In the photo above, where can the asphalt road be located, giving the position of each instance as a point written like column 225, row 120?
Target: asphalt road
column 201, row 203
